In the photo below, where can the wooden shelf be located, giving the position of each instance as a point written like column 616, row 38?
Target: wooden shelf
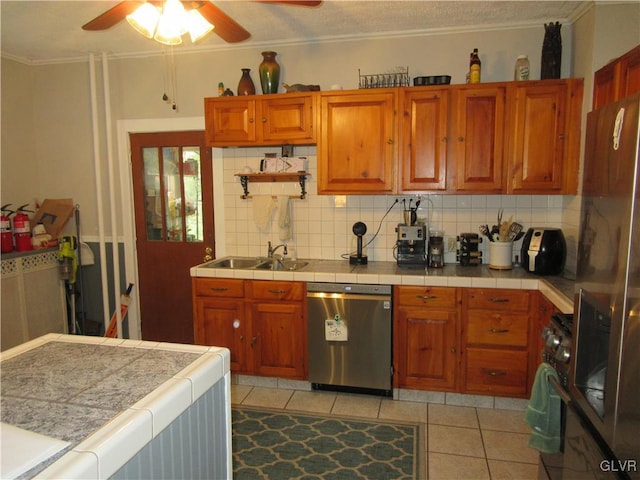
column 300, row 177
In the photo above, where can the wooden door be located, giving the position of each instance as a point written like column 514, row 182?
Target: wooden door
column 539, row 138
column 357, row 144
column 173, row 202
column 478, row 138
column 424, row 139
column 288, row 118
column 221, row 322
column 428, row 355
column 230, row 121
column 277, row 333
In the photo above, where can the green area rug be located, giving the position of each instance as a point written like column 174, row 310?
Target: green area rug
column 277, row 445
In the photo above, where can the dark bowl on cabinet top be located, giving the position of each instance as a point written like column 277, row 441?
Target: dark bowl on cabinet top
column 432, row 80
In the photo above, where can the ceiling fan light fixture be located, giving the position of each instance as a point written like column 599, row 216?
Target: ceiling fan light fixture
column 197, row 26
column 144, row 19
column 171, row 25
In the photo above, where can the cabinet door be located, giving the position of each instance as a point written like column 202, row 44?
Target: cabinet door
column 538, row 138
column 288, row 118
column 426, row 351
column 424, row 139
column 605, row 85
column 229, row 122
column 277, row 339
column 478, row 138
column 221, row 323
column 357, row 144
column 630, row 73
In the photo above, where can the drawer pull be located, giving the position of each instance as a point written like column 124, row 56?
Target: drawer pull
column 426, row 297
column 277, row 292
column 498, row 330
column 219, row 289
column 498, row 300
column 495, row 373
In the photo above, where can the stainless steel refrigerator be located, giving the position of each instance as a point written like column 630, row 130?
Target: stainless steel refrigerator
column 605, row 383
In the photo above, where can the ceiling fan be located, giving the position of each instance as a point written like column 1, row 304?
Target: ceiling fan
column 225, row 27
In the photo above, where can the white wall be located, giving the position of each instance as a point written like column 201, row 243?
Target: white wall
column 47, row 148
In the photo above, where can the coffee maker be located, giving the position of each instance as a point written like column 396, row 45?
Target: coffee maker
column 436, row 249
column 411, row 245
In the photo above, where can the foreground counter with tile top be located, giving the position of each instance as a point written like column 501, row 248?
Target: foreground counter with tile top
column 557, row 289
column 112, row 408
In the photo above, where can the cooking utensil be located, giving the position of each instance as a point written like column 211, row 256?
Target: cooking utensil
column 518, row 236
column 504, row 230
column 484, row 230
column 514, row 229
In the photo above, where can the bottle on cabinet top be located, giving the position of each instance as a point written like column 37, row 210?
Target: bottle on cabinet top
column 521, row 71
column 474, row 67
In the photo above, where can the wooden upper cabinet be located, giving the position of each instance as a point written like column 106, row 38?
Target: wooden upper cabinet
column 477, row 138
column 229, row 121
column 357, row 144
column 261, row 120
column 617, row 79
column 423, row 133
column 545, row 135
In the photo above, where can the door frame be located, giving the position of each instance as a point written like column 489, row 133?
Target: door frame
column 124, row 128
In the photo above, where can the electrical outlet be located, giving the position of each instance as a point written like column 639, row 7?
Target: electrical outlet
column 451, row 244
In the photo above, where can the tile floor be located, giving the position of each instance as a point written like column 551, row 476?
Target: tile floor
column 461, row 442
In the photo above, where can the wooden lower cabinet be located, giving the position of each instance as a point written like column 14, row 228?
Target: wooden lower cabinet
column 496, row 328
column 262, row 323
column 426, row 338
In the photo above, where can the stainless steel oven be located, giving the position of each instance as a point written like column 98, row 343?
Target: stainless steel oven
column 557, row 352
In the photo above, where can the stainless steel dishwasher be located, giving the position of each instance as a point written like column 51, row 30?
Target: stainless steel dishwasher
column 349, row 329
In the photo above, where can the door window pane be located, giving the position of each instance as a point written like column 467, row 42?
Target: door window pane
column 173, row 193
column 193, row 194
column 152, row 195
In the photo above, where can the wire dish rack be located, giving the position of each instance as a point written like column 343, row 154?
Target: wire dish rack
column 398, row 78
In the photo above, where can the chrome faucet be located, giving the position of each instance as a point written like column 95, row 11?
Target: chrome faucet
column 272, row 250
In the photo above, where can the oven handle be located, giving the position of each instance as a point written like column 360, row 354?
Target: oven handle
column 566, row 398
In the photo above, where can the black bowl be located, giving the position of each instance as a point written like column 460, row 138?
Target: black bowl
column 432, row 80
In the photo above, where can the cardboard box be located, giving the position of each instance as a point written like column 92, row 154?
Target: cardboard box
column 54, row 215
column 283, row 164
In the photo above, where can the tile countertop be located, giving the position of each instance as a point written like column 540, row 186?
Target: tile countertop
column 106, row 397
column 557, row 289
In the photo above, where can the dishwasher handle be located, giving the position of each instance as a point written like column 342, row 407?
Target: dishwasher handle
column 349, row 296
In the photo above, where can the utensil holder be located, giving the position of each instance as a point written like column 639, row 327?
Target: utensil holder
column 500, row 255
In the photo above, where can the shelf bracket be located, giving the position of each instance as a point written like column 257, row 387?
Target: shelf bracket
column 303, row 192
column 244, row 181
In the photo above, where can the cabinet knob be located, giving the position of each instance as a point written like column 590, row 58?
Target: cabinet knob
column 251, row 120
column 253, row 341
column 461, row 139
column 277, row 292
column 498, row 300
column 390, row 141
column 264, row 120
column 453, row 349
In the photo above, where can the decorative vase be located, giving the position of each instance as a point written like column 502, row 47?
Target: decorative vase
column 246, row 86
column 551, row 51
column 269, row 73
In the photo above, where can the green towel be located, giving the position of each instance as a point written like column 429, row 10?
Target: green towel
column 544, row 412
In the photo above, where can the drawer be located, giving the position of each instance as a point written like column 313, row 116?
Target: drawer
column 497, row 328
column 496, row 371
column 274, row 290
column 440, row 297
column 219, row 287
column 498, row 299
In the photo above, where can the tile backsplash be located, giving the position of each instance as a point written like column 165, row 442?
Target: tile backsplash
column 321, row 225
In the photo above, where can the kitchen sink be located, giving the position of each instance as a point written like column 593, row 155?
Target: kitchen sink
column 262, row 263
column 286, row 265
column 235, row 263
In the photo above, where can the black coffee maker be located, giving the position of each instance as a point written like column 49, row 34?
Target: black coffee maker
column 411, row 245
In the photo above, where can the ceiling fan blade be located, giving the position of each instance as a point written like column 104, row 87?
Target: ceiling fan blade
column 224, row 26
column 302, row 3
column 112, row 16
